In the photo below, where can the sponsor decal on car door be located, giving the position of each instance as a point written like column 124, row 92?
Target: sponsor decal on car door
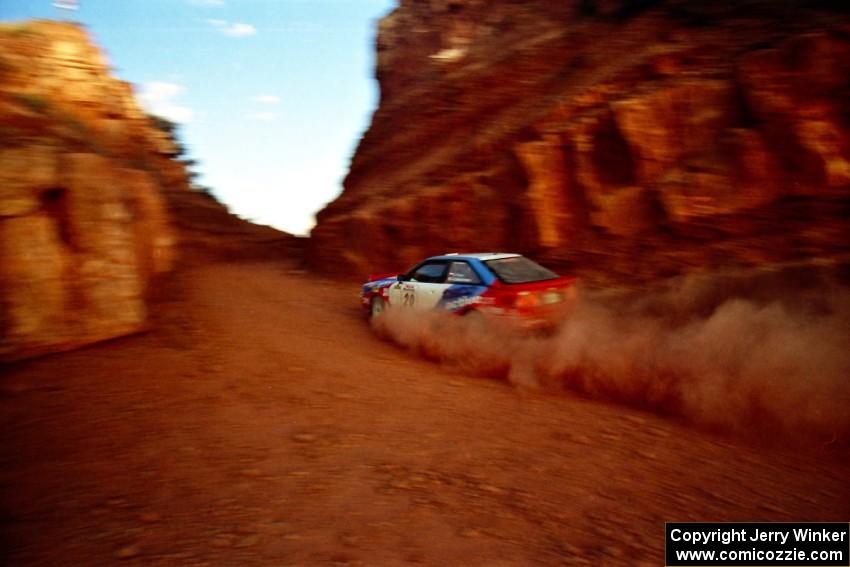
column 402, row 293
column 425, row 287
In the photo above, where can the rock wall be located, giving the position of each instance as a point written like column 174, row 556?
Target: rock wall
column 624, row 140
column 84, row 225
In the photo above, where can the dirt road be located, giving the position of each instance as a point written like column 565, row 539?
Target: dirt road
column 263, row 423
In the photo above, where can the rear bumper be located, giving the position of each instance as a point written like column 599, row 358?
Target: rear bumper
column 538, row 319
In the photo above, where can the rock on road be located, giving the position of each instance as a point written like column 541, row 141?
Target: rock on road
column 261, row 422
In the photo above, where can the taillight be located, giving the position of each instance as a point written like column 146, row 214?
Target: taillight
column 526, row 300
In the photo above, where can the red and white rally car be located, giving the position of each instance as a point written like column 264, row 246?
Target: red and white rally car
column 492, row 284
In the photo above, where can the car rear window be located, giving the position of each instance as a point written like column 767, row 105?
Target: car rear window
column 519, row 269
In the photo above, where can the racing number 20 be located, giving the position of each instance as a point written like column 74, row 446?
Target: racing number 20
column 408, row 299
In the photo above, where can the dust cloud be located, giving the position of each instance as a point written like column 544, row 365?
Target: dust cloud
column 767, row 354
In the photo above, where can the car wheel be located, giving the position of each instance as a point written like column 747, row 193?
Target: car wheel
column 377, row 307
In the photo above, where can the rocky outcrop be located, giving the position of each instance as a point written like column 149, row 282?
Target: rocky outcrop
column 625, row 140
column 84, row 228
column 85, row 179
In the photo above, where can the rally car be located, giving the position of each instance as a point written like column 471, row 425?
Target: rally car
column 493, row 284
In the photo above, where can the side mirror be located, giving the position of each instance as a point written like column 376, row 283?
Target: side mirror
column 400, row 277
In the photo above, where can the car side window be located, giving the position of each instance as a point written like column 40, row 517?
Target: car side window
column 462, row 273
column 432, row 272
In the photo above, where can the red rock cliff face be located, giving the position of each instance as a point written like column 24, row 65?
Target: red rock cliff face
column 625, row 140
column 83, row 223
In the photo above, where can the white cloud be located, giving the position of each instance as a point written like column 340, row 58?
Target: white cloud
column 207, row 2
column 267, row 99
column 239, row 30
column 233, row 29
column 264, row 116
column 158, row 97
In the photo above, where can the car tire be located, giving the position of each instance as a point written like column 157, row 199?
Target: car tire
column 377, row 307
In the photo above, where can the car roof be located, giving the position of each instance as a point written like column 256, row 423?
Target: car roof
column 483, row 256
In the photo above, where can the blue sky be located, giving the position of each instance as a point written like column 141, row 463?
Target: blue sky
column 272, row 95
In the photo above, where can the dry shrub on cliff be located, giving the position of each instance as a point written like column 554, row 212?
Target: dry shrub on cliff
column 725, row 353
